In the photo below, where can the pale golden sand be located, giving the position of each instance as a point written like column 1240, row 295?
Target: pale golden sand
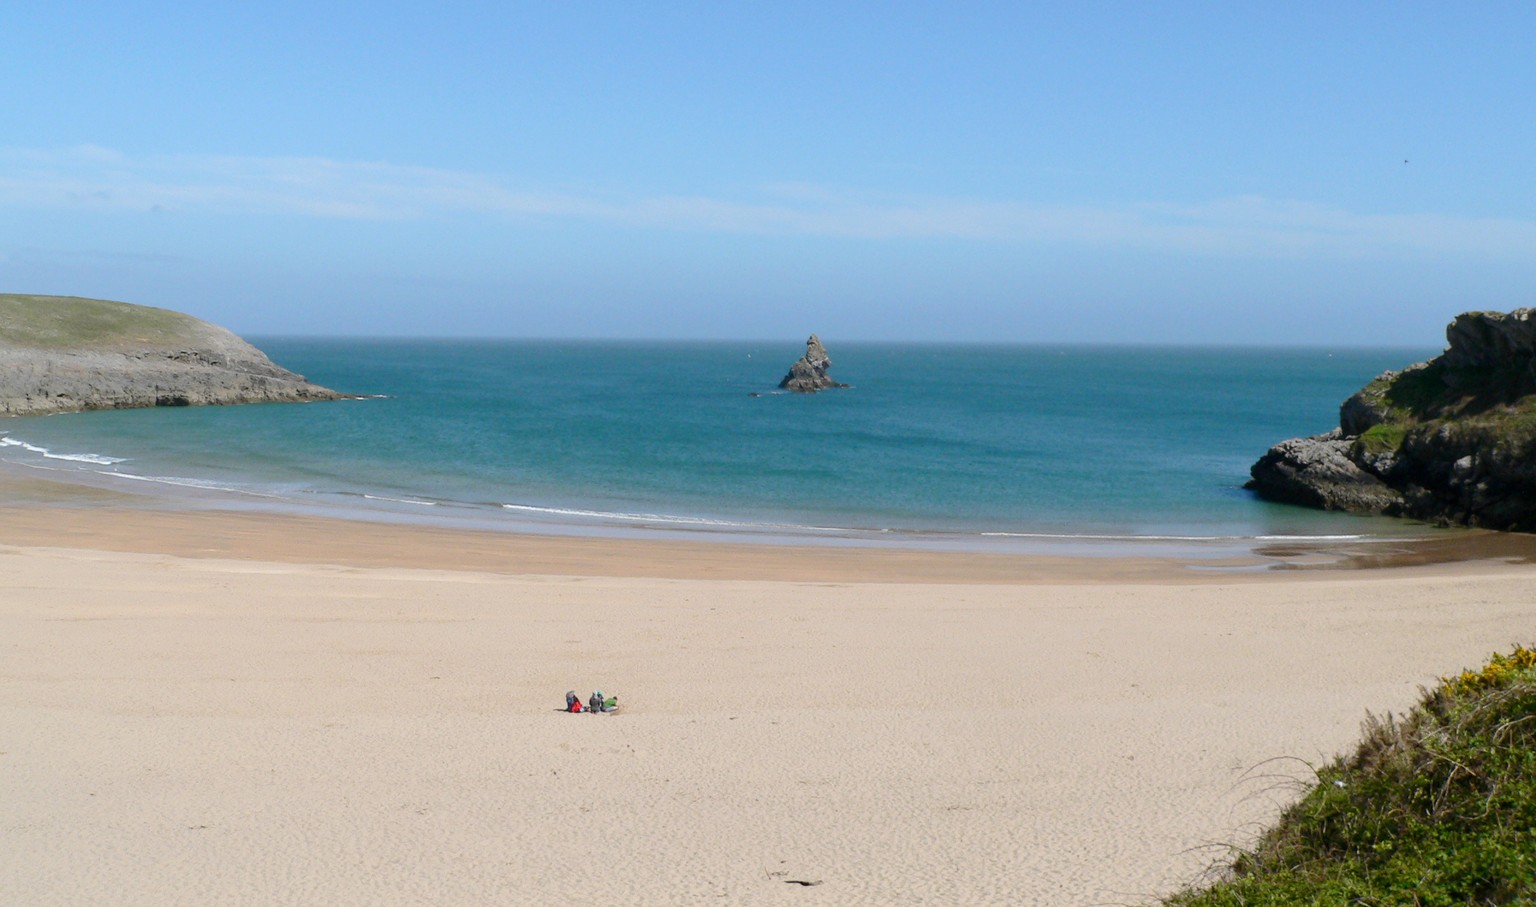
column 204, row 708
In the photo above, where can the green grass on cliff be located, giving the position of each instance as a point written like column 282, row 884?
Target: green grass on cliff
column 1414, row 394
column 1437, row 809
column 1384, row 437
column 70, row 322
column 1488, row 409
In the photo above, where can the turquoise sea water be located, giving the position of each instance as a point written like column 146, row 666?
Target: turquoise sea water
column 967, row 445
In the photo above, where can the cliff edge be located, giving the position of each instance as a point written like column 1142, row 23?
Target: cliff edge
column 1449, row 441
column 65, row 354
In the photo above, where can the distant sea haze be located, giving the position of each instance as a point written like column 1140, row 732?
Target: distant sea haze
column 980, row 447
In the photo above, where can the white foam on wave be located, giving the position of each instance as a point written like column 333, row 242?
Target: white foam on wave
column 1318, row 538
column 670, row 519
column 715, row 523
column 93, row 459
column 1079, row 536
column 379, row 497
column 184, row 482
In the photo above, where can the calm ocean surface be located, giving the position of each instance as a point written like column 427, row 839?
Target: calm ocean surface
column 972, row 446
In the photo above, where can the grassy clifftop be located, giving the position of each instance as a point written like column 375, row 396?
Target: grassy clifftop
column 1435, row 393
column 73, row 323
column 64, row 354
column 1435, row 810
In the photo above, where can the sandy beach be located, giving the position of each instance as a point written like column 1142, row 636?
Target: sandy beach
column 221, row 708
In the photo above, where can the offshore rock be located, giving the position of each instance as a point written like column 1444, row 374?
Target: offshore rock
column 809, row 373
column 66, row 354
column 1449, row 441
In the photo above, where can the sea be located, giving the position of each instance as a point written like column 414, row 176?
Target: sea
column 1029, row 448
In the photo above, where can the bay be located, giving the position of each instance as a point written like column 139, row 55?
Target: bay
column 963, row 443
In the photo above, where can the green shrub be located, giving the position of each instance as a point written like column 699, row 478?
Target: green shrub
column 1435, row 810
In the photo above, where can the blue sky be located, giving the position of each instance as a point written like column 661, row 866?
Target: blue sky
column 1314, row 173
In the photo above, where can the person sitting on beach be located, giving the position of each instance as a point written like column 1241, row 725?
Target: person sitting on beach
column 572, row 701
column 595, row 704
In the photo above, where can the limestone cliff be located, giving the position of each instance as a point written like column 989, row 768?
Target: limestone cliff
column 809, row 373
column 64, row 354
column 1451, row 440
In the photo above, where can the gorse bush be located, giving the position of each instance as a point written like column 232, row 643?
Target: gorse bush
column 1499, row 671
column 1437, row 809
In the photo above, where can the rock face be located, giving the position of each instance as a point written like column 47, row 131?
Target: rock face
column 1450, row 441
column 65, row 354
column 1317, row 472
column 809, row 373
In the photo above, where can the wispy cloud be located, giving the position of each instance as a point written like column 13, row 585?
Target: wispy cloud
column 93, row 177
column 41, row 255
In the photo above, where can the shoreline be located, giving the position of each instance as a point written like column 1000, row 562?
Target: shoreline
column 1212, row 531
column 59, row 512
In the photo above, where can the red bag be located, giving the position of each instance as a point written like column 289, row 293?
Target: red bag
column 576, row 706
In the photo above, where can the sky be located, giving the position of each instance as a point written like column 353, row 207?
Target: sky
column 1311, row 173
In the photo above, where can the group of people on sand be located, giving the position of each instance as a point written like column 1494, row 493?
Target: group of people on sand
column 598, row 703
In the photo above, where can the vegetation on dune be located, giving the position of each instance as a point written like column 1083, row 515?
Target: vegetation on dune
column 1437, row 809
column 68, row 322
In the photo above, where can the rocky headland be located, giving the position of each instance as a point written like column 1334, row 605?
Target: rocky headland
column 809, row 373
column 66, row 354
column 1449, row 441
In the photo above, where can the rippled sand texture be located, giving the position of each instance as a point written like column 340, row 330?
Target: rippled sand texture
column 177, row 731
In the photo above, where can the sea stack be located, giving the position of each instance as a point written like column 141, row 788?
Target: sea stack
column 1448, row 441
column 66, row 354
column 809, row 373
